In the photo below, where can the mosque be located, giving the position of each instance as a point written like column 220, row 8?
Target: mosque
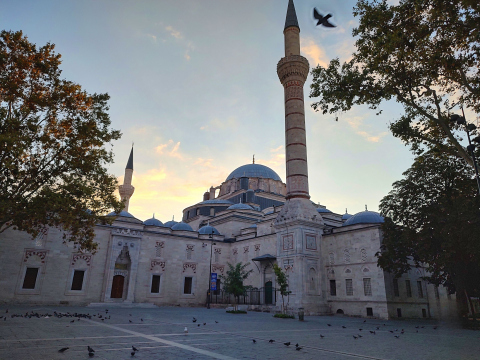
column 252, row 217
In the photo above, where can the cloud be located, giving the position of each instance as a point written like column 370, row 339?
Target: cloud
column 175, row 33
column 230, row 123
column 314, row 53
column 170, row 149
column 356, row 123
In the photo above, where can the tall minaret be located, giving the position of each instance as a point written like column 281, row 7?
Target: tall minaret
column 299, row 227
column 126, row 190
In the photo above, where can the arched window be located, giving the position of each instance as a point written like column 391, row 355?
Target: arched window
column 346, row 254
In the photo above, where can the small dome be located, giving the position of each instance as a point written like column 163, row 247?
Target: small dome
column 207, row 230
column 217, row 201
column 365, row 217
column 253, row 171
column 122, row 213
column 240, row 206
column 346, row 216
column 152, row 222
column 323, row 210
column 170, row 223
column 182, row 226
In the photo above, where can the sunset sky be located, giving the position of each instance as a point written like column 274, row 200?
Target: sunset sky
column 193, row 84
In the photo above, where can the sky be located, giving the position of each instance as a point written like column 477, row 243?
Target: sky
column 193, row 85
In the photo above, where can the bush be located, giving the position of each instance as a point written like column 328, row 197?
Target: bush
column 284, row 316
column 236, row 311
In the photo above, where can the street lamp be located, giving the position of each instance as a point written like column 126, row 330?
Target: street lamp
column 460, row 120
column 209, row 295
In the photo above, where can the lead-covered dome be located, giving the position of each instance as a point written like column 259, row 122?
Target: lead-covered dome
column 171, row 223
column 182, row 226
column 152, row 222
column 253, row 171
column 240, row 206
column 365, row 217
column 122, row 213
column 323, row 210
column 207, row 230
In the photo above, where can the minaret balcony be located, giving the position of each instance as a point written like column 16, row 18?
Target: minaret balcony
column 293, row 67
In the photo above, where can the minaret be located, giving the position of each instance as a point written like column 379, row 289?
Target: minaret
column 292, row 71
column 126, row 190
column 299, row 227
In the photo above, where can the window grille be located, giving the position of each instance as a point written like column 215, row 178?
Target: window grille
column 396, row 292
column 333, row 288
column 331, row 258
column 364, row 255
column 367, row 287
column 420, row 289
column 409, row 288
column 349, row 287
column 346, row 254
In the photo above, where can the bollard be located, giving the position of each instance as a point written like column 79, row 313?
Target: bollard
column 301, row 314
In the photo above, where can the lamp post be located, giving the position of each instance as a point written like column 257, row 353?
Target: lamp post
column 471, row 147
column 209, row 292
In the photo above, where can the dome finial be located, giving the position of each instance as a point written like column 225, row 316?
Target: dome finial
column 366, row 207
column 173, row 217
column 253, row 158
column 154, row 215
column 346, row 211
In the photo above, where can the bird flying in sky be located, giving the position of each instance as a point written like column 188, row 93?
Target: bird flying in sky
column 322, row 20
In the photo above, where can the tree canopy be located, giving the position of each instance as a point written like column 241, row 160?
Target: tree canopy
column 53, row 138
column 235, row 276
column 432, row 219
column 421, row 53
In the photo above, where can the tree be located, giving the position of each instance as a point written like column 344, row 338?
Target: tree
column 53, row 138
column 233, row 282
column 282, row 283
column 432, row 219
column 423, row 54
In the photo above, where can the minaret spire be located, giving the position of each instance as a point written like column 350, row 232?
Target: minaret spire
column 126, row 190
column 291, row 19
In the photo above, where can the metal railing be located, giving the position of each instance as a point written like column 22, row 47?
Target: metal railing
column 254, row 296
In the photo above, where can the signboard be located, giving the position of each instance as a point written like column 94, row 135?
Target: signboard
column 213, row 282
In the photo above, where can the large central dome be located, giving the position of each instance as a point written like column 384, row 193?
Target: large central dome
column 253, row 171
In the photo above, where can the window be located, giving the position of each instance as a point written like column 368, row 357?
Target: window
column 158, row 249
column 30, row 278
column 437, row 295
column 346, row 254
column 364, row 255
column 409, row 288
column 424, row 313
column 369, row 311
column 349, row 287
column 187, row 286
column 396, row 292
column 367, row 287
column 420, row 289
column 212, row 211
column 217, row 256
column 331, row 258
column 217, row 292
column 155, row 289
column 333, row 288
column 77, row 282
column 399, row 312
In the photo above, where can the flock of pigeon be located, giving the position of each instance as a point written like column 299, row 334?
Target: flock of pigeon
column 75, row 317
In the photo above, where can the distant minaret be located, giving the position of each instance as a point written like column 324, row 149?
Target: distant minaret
column 292, row 71
column 126, row 190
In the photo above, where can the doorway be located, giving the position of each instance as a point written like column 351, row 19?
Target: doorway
column 117, row 287
column 268, row 293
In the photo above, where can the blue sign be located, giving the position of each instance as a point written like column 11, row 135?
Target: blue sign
column 213, row 282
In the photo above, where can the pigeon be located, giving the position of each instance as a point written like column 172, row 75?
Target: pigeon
column 6, row 311
column 360, row 329
column 287, row 343
column 141, row 319
column 204, row 323
column 198, row 325
column 355, row 337
column 72, row 321
column 322, row 20
column 194, row 320
column 402, row 332
column 62, row 350
column 254, row 341
column 329, row 324
column 416, row 327
column 359, row 336
column 435, row 327
column 216, row 322
column 129, row 321
column 185, row 330
column 132, row 353
column 397, row 336
column 364, row 321
column 90, row 349
column 298, row 348
column 271, row 341
column 344, row 327
column 322, row 336
column 296, row 345
column 134, row 348
column 372, row 332
column 91, row 354
column 391, row 331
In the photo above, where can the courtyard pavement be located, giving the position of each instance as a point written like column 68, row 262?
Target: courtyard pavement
column 224, row 336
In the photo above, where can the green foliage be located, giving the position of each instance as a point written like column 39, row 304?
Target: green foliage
column 282, row 283
column 53, row 138
column 233, row 281
column 284, row 316
column 433, row 219
column 421, row 53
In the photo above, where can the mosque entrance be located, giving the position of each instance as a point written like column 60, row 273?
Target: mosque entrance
column 117, row 287
column 268, row 293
